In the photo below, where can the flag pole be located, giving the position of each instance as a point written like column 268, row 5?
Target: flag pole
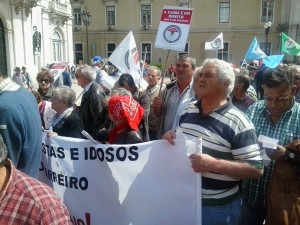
column 143, row 67
column 164, row 72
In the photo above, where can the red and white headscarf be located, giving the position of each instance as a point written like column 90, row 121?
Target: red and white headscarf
column 125, row 107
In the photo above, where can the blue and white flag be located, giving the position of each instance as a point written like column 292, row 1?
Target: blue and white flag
column 254, row 51
column 272, row 61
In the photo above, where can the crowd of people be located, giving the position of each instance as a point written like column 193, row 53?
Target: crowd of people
column 229, row 108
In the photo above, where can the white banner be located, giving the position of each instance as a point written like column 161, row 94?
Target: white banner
column 57, row 68
column 173, row 28
column 142, row 184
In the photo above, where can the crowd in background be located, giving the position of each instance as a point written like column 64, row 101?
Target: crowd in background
column 227, row 107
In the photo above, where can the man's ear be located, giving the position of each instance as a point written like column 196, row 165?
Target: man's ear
column 294, row 90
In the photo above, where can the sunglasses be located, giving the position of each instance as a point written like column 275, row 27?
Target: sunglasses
column 44, row 81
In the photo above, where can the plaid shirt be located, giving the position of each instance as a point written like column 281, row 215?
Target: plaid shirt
column 27, row 201
column 285, row 130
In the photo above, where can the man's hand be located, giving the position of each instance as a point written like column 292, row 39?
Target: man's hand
column 294, row 146
column 276, row 154
column 202, row 162
column 169, row 136
column 157, row 104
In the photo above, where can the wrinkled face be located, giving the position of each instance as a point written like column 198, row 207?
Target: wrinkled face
column 82, row 81
column 152, row 78
column 184, row 70
column 57, row 104
column 209, row 83
column 278, row 100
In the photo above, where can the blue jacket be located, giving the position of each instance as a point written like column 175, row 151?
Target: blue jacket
column 21, row 129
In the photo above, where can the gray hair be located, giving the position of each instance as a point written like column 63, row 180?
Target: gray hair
column 225, row 72
column 185, row 57
column 87, row 72
column 3, row 152
column 154, row 68
column 120, row 92
column 66, row 94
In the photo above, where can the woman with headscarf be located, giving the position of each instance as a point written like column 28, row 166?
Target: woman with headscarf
column 126, row 114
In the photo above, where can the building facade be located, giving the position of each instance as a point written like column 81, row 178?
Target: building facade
column 239, row 20
column 34, row 33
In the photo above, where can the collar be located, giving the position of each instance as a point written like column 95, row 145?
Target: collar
column 151, row 90
column 87, row 87
column 8, row 85
column 221, row 110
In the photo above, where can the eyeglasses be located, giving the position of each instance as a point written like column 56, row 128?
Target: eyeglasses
column 45, row 81
column 279, row 100
column 297, row 78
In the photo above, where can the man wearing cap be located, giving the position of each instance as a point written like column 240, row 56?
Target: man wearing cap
column 20, row 126
column 97, row 63
column 27, row 77
column 19, row 77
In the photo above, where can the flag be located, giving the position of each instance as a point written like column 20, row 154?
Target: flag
column 254, row 51
column 289, row 46
column 272, row 61
column 216, row 44
column 126, row 58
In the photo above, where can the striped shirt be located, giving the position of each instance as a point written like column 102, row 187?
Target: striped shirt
column 285, row 130
column 226, row 134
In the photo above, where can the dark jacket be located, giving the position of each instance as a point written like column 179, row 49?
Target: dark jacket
column 93, row 110
column 127, row 136
column 70, row 126
column 143, row 99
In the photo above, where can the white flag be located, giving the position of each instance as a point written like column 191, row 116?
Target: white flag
column 216, row 44
column 126, row 58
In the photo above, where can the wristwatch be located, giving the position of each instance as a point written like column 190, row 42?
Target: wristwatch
column 288, row 155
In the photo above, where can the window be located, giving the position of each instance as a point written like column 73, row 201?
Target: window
column 78, row 53
column 77, row 16
column 267, row 10
column 110, row 48
column 146, row 50
column 110, row 15
column 186, row 50
column 265, row 47
column 57, row 47
column 224, row 12
column 184, row 5
column 223, row 54
column 146, row 14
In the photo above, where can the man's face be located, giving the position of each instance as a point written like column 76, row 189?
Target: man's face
column 296, row 77
column 278, row 100
column 209, row 84
column 152, row 78
column 81, row 80
column 184, row 70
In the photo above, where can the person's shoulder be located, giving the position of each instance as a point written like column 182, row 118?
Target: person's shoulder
column 170, row 85
column 30, row 188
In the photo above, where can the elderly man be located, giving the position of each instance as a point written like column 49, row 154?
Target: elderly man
column 230, row 151
column 165, row 105
column 25, row 200
column 20, row 126
column 93, row 109
column 153, row 79
column 277, row 117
